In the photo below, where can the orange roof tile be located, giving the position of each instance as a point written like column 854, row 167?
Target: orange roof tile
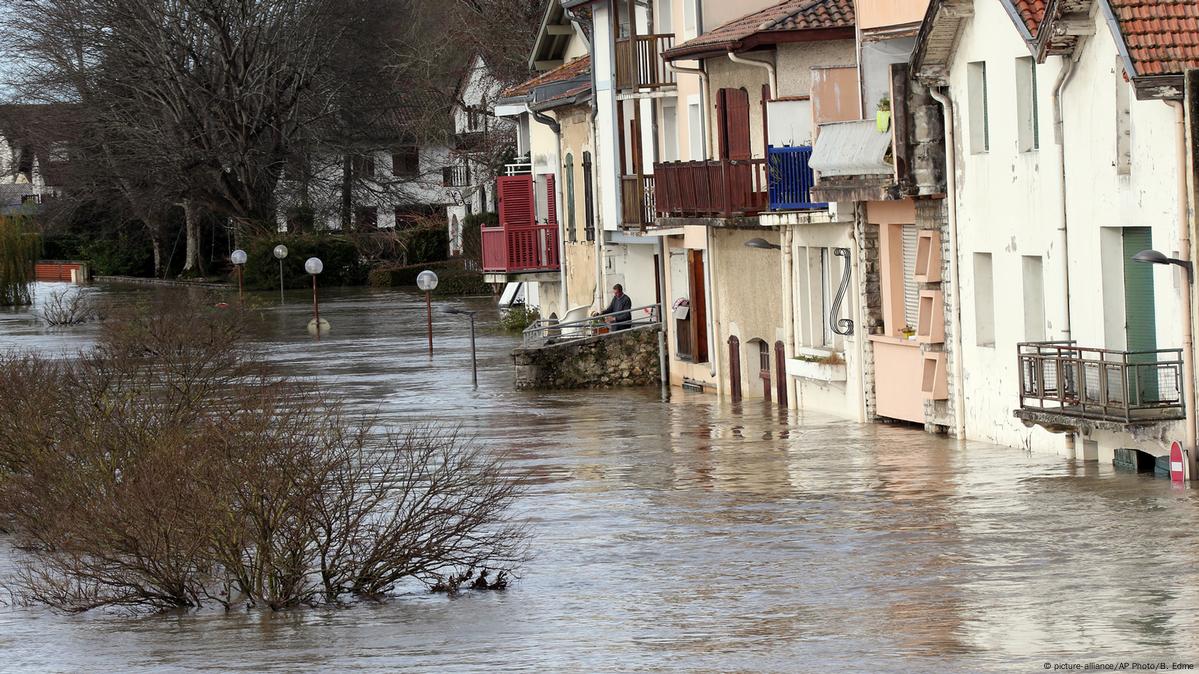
column 564, row 72
column 787, row 16
column 1162, row 36
column 1032, row 12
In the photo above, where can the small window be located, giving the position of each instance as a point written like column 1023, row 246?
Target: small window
column 368, row 216
column 690, row 25
column 665, row 22
column 911, row 289
column 364, row 166
column 1027, row 120
column 1034, row 297
column 984, row 300
column 588, row 198
column 568, row 170
column 670, row 130
column 405, row 162
column 976, row 84
column 695, row 120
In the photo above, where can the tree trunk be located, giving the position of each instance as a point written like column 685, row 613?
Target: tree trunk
column 157, row 253
column 347, row 194
column 191, row 258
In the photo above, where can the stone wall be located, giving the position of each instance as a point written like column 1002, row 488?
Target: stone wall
column 871, row 298
column 934, row 214
column 628, row 358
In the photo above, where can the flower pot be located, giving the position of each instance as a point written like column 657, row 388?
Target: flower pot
column 882, row 120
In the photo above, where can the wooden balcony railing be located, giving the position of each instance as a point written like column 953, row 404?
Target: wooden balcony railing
column 1121, row 386
column 791, row 179
column 723, row 188
column 637, row 200
column 639, row 63
column 525, row 249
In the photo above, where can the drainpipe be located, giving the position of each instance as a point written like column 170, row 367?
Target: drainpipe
column 703, row 102
column 951, row 186
column 774, row 84
column 789, row 313
column 713, row 347
column 563, row 300
column 1184, row 254
column 663, row 270
column 1063, row 78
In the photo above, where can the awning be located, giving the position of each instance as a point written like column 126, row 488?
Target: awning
column 851, row 149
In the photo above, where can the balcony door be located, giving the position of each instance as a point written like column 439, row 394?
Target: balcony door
column 1140, row 316
column 732, row 120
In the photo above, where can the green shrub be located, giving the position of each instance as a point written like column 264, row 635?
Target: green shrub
column 453, row 279
column 472, row 238
column 123, row 255
column 426, row 243
column 343, row 264
column 518, row 318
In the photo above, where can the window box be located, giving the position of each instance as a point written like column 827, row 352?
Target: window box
column 928, row 256
column 817, row 364
column 934, row 382
column 930, row 325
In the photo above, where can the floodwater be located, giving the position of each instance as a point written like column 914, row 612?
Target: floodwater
column 694, row 535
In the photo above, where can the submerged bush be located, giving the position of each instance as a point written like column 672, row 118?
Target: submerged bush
column 168, row 467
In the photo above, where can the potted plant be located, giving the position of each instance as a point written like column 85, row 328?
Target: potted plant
column 882, row 115
column 818, row 364
column 908, row 332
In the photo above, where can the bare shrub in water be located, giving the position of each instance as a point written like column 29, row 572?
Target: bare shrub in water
column 164, row 468
column 70, row 306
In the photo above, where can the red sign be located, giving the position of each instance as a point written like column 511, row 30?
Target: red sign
column 1177, row 462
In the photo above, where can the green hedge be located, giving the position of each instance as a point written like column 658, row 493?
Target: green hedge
column 452, row 278
column 343, row 264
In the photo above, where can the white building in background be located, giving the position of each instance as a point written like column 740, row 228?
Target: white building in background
column 1049, row 216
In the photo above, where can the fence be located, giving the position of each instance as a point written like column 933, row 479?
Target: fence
column 710, row 188
column 791, row 179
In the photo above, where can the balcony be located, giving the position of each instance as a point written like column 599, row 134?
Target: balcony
column 637, row 200
column 522, row 243
column 639, row 63
column 791, row 179
column 1063, row 386
column 710, row 189
column 455, row 176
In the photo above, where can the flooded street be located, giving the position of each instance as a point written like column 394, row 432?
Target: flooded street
column 692, row 535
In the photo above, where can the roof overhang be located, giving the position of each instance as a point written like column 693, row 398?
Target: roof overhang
column 760, row 40
column 938, row 40
column 550, row 46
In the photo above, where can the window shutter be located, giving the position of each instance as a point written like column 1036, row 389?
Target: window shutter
column 911, row 290
column 551, row 200
column 516, row 200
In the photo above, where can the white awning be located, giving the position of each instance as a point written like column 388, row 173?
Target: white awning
column 851, row 149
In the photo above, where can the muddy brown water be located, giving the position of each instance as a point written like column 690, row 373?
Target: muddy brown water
column 690, row 535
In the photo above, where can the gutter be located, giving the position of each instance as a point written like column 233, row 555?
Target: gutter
column 1063, row 78
column 1184, row 254
column 774, row 83
column 951, row 184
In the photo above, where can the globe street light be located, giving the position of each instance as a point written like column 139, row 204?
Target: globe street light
column 474, row 363
column 238, row 258
column 427, row 281
column 280, row 253
column 314, row 267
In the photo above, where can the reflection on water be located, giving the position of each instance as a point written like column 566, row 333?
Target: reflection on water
column 694, row 535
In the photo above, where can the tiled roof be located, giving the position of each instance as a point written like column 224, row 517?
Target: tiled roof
column 1162, row 36
column 564, row 72
column 1032, row 12
column 790, row 15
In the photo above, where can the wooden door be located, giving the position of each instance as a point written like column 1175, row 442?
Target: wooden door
column 735, row 368
column 780, row 360
column 732, row 117
column 698, row 313
column 764, row 368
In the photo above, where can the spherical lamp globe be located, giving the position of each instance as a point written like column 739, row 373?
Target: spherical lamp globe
column 238, row 257
column 426, row 280
column 314, row 266
column 280, row 252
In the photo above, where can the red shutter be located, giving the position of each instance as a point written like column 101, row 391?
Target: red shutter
column 516, row 201
column 722, row 123
column 736, row 113
column 551, row 200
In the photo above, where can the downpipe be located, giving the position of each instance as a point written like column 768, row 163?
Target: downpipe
column 1184, row 254
column 564, row 299
column 951, row 184
column 771, row 74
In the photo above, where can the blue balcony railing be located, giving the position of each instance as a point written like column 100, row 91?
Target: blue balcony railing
column 791, row 179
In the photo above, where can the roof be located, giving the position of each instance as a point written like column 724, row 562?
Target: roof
column 851, row 149
column 565, row 72
column 788, row 21
column 1161, row 37
column 1031, row 12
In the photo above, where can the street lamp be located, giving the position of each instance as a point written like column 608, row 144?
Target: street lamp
column 314, row 267
column 280, row 253
column 427, row 281
column 1188, row 357
column 758, row 242
column 474, row 363
column 238, row 258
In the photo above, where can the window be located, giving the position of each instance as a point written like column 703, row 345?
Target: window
column 368, row 216
column 1123, row 124
column 1027, row 122
column 568, row 169
column 976, row 85
column 364, row 165
column 455, row 176
column 690, row 25
column 911, row 289
column 665, row 21
column 588, row 198
column 1034, row 297
column 670, row 130
column 405, row 162
column 695, row 121
column 984, row 300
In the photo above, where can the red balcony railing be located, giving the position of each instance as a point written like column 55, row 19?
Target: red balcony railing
column 723, row 188
column 639, row 63
column 529, row 249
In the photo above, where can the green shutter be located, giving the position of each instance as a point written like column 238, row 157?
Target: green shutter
column 1140, row 317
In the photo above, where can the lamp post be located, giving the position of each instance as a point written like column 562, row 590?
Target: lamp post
column 238, row 258
column 759, row 242
column 474, row 363
column 314, row 267
column 280, row 253
column 1188, row 359
column 427, row 281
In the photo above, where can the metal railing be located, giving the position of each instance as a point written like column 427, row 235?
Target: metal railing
column 551, row 331
column 722, row 188
column 1087, row 383
column 520, row 249
column 640, row 64
column 518, row 169
column 791, row 179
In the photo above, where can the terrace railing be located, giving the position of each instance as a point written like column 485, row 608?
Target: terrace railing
column 1087, row 383
column 523, row 249
column 724, row 188
column 791, row 179
column 637, row 200
column 640, row 65
column 550, row 331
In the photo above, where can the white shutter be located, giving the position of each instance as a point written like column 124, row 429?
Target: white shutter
column 911, row 291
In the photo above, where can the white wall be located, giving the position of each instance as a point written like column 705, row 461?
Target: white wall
column 1009, row 205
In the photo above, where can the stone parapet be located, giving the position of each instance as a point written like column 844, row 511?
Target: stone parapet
column 627, row 358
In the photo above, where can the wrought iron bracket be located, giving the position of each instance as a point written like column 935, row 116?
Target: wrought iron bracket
column 841, row 326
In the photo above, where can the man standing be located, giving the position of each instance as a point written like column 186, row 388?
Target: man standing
column 619, row 307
